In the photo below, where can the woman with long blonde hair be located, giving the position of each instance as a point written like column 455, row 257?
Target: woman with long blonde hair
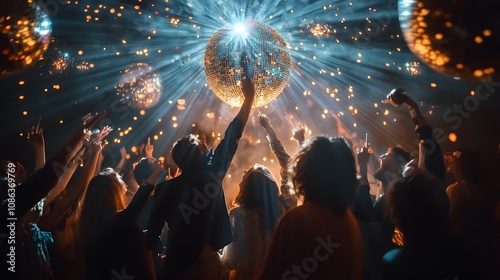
column 253, row 221
column 112, row 241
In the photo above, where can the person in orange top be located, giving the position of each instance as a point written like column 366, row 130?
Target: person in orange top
column 319, row 239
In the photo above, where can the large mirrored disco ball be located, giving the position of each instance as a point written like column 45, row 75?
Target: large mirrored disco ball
column 251, row 47
column 25, row 33
column 139, row 86
column 460, row 39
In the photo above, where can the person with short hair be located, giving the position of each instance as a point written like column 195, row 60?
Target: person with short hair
column 193, row 204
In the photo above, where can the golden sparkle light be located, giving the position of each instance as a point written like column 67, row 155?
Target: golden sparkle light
column 268, row 62
column 413, row 68
column 320, row 30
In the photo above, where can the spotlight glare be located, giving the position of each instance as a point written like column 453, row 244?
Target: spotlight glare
column 240, row 29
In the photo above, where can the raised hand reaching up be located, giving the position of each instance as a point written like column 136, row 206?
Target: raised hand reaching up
column 299, row 135
column 36, row 140
column 148, row 148
column 264, row 121
column 102, row 134
column 35, row 137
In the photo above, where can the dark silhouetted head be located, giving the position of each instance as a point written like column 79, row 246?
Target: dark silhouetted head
column 325, row 172
column 188, row 152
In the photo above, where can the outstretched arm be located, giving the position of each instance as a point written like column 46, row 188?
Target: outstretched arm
column 141, row 196
column 65, row 178
column 37, row 186
column 50, row 220
column 99, row 139
column 277, row 148
column 121, row 164
column 148, row 148
column 249, row 92
column 363, row 157
column 227, row 147
column 37, row 141
column 300, row 135
column 248, row 89
column 287, row 198
column 430, row 155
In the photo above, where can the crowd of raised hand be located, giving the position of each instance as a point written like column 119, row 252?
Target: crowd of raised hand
column 438, row 216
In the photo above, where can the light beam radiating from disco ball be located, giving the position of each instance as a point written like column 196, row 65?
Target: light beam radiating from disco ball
column 269, row 62
column 139, row 86
column 456, row 38
column 25, row 31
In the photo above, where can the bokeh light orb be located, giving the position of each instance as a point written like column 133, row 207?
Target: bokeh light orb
column 258, row 47
column 139, row 86
column 25, row 33
column 456, row 38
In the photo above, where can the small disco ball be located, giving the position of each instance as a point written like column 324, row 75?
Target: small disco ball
column 58, row 59
column 25, row 32
column 254, row 48
column 139, row 86
column 413, row 68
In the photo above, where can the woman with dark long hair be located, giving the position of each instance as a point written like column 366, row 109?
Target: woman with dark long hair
column 253, row 221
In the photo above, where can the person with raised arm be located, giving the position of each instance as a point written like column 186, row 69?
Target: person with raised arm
column 430, row 155
column 319, row 239
column 419, row 207
column 37, row 185
column 193, row 203
column 120, row 166
column 141, row 171
column 395, row 165
column 37, row 141
column 61, row 214
column 253, row 220
column 19, row 197
column 287, row 198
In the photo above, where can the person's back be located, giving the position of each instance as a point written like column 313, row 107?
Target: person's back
column 119, row 250
column 381, row 229
column 473, row 214
column 314, row 242
column 471, row 205
column 390, row 169
column 245, row 255
column 196, row 216
column 193, row 203
column 113, row 244
column 425, row 260
column 419, row 207
column 253, row 222
column 319, row 239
